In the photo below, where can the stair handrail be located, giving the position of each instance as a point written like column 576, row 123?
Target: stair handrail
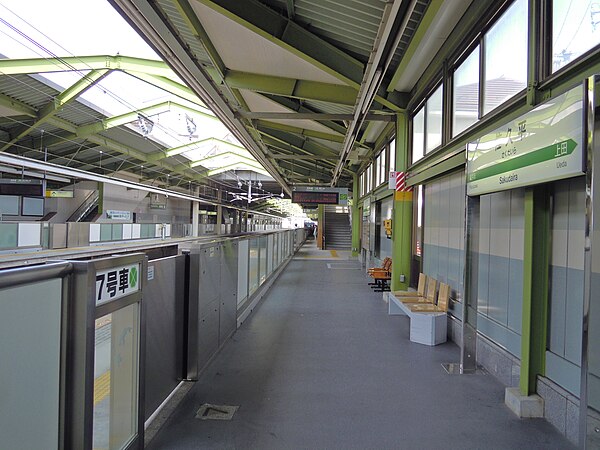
column 89, row 202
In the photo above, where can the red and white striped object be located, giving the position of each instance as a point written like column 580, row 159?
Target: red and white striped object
column 401, row 182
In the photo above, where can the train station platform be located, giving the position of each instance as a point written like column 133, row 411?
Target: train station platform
column 320, row 364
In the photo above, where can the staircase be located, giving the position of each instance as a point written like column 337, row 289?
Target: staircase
column 88, row 210
column 337, row 231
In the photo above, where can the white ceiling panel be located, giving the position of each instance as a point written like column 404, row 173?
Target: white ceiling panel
column 241, row 49
column 259, row 103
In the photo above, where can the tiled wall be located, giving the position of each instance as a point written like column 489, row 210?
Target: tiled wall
column 500, row 262
column 500, row 269
column 443, row 242
column 563, row 358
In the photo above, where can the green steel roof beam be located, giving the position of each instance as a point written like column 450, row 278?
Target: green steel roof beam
column 199, row 162
column 290, row 87
column 193, row 145
column 123, row 119
column 293, row 169
column 301, row 131
column 117, row 146
column 116, row 121
column 79, row 63
column 65, row 97
column 217, row 72
column 296, row 106
column 290, row 36
column 168, row 85
column 303, row 144
column 218, row 170
column 195, row 25
column 418, row 36
column 17, row 106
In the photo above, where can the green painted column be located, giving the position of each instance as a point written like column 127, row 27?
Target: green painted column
column 321, row 225
column 355, row 217
column 402, row 215
column 536, row 259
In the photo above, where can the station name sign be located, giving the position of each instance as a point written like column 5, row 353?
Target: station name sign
column 543, row 145
column 320, row 195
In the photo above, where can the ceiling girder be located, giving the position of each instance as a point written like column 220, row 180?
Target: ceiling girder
column 53, row 107
column 314, row 116
column 261, row 19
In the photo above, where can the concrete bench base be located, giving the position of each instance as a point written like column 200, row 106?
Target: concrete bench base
column 425, row 328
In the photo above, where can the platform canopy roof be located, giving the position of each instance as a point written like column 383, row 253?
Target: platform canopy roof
column 126, row 117
column 308, row 86
column 303, row 90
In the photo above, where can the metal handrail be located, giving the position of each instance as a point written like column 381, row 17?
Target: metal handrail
column 85, row 207
column 28, row 275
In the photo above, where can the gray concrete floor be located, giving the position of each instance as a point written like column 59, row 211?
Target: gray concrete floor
column 320, row 365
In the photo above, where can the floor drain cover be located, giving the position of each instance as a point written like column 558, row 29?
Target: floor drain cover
column 216, row 412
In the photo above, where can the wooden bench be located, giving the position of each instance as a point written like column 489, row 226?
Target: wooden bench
column 428, row 327
column 381, row 276
column 420, row 292
column 387, row 261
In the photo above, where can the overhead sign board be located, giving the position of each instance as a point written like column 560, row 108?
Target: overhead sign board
column 59, row 194
column 324, row 198
column 112, row 284
column 320, row 195
column 546, row 144
column 20, row 186
column 118, row 215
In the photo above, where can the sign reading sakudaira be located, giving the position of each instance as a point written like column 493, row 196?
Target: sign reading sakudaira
column 117, row 282
column 543, row 145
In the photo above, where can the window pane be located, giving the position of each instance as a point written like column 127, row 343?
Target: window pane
column 381, row 168
column 393, row 154
column 465, row 93
column 434, row 120
column 506, row 57
column 418, row 137
column 575, row 30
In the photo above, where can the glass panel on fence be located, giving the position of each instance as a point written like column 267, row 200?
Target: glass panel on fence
column 242, row 272
column 116, row 378
column 263, row 259
column 105, row 232
column 253, row 270
column 8, row 235
column 30, row 333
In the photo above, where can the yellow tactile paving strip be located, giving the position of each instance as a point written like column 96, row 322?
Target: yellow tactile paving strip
column 101, row 387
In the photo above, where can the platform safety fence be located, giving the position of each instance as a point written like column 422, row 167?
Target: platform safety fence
column 97, row 346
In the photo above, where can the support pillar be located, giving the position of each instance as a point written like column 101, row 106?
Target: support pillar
column 355, row 216
column 195, row 213
column 536, row 253
column 402, row 214
column 536, row 259
column 219, row 224
column 321, row 225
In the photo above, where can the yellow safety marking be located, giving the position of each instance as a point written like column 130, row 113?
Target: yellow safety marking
column 403, row 196
column 101, row 387
column 334, row 253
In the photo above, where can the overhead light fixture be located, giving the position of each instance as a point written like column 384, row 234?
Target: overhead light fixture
column 190, row 125
column 145, row 124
